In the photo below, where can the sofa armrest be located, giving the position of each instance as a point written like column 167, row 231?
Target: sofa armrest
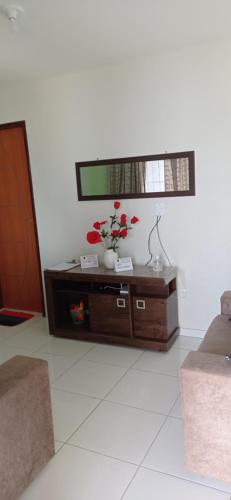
column 226, row 303
column 206, row 364
column 26, row 430
column 206, row 405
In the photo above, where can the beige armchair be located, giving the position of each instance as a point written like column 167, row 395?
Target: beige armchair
column 26, row 429
column 205, row 378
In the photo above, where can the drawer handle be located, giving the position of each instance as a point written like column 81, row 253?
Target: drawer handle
column 140, row 304
column 120, row 303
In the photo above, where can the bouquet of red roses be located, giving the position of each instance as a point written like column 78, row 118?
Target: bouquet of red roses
column 117, row 228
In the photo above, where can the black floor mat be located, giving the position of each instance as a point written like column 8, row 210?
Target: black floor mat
column 6, row 320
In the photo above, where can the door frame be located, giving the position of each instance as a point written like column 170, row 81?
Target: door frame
column 22, row 125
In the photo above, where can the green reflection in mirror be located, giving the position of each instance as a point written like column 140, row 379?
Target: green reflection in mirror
column 95, row 180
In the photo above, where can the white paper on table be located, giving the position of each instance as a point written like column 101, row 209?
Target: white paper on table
column 64, row 266
column 123, row 264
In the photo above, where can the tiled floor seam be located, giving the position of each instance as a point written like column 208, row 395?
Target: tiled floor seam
column 100, row 401
column 71, row 366
column 83, row 422
column 102, row 454
column 184, row 479
column 66, row 355
column 125, row 373
column 156, row 373
column 169, row 413
column 17, row 346
column 155, row 438
column 53, row 388
column 15, row 334
column 107, row 363
column 60, row 355
column 140, row 466
column 103, row 400
column 60, row 447
column 106, row 395
column 146, row 453
column 136, row 407
column 129, row 484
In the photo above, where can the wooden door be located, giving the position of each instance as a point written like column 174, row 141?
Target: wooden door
column 20, row 273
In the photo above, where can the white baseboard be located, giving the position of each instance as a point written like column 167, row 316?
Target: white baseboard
column 188, row 332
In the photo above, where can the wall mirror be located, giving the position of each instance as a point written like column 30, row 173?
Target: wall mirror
column 170, row 174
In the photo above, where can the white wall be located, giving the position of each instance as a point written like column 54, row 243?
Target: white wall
column 174, row 102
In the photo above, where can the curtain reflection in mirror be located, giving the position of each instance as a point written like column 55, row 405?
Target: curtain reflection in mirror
column 149, row 177
column 127, row 178
column 176, row 174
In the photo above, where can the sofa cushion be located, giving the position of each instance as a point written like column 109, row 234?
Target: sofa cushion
column 226, row 303
column 26, row 430
column 206, row 405
column 218, row 337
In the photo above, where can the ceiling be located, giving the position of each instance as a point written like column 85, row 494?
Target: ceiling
column 58, row 37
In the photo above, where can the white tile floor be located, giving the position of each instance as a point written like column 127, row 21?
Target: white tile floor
column 117, row 420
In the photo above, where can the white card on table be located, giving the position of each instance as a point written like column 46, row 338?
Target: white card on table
column 123, row 264
column 89, row 261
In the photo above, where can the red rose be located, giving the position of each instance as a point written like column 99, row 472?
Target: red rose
column 123, row 233
column 97, row 224
column 115, row 233
column 94, row 237
column 123, row 220
column 134, row 220
column 116, row 204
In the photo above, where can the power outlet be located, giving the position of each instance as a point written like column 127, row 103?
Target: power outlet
column 159, row 208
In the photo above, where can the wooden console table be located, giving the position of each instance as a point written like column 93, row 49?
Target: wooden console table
column 136, row 308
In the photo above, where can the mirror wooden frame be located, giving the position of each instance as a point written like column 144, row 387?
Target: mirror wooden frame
column 167, row 156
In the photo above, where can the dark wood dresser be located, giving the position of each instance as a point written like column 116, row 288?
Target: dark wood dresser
column 136, row 308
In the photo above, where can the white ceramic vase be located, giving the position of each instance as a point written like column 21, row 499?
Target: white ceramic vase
column 108, row 259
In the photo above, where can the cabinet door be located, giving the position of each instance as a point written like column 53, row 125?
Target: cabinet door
column 109, row 314
column 155, row 318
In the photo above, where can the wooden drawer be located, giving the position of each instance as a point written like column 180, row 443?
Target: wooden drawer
column 109, row 314
column 155, row 318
